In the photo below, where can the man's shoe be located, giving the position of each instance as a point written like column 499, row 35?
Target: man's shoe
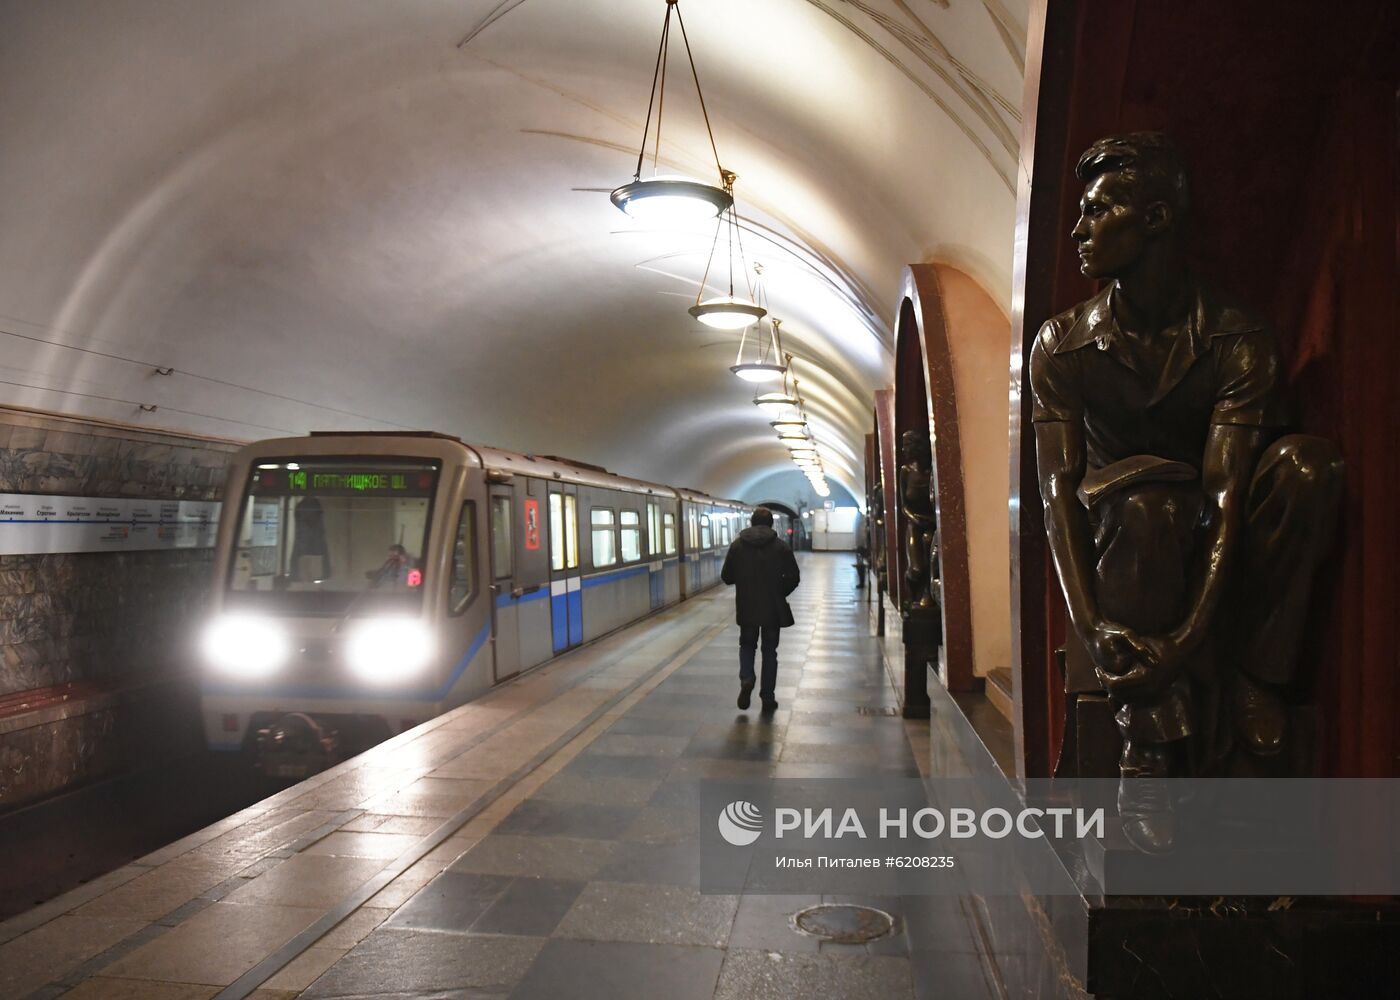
column 744, row 691
column 1145, row 806
column 770, row 705
column 1260, row 716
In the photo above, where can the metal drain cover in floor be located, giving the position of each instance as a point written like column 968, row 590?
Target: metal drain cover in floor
column 844, row 923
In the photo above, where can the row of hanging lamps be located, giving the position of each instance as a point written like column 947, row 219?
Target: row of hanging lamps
column 668, row 199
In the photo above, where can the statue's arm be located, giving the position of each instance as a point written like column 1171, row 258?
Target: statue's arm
column 1059, row 450
column 1232, row 450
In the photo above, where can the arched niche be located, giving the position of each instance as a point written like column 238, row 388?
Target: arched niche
column 925, row 396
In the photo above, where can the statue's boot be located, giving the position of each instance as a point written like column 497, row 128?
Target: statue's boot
column 1144, row 797
column 1260, row 716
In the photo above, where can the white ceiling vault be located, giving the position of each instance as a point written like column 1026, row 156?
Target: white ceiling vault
column 374, row 214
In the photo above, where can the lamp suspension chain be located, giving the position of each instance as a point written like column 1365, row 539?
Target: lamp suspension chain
column 658, row 100
column 661, row 97
column 698, row 92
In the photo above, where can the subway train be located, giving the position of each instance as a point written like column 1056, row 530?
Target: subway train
column 366, row 582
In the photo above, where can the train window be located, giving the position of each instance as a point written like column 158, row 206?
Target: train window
column 323, row 536
column 630, row 535
column 571, row 531
column 604, row 524
column 502, row 547
column 653, row 529
column 563, row 531
column 705, row 538
column 463, row 586
column 670, row 522
column 556, row 531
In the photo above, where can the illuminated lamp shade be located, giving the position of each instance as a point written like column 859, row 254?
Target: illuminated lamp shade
column 757, row 372
column 803, row 453
column 789, row 427
column 787, row 436
column 775, row 402
column 726, row 312
column 671, row 201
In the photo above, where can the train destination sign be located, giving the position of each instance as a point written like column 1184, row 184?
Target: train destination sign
column 33, row 524
column 335, row 480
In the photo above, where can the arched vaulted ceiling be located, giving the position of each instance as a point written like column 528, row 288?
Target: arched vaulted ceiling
column 370, row 214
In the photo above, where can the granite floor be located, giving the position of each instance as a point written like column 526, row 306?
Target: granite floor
column 574, row 869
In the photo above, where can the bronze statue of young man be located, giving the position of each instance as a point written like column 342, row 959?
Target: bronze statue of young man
column 1184, row 523
column 915, row 477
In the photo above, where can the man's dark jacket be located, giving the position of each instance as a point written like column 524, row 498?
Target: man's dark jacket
column 763, row 572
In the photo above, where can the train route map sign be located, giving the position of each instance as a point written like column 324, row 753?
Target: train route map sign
column 33, row 524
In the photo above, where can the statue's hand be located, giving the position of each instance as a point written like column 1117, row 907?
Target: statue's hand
column 1110, row 649
column 1154, row 663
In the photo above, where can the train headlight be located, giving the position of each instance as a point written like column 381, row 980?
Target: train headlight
column 247, row 645
column 384, row 650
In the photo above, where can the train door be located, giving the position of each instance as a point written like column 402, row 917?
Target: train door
column 505, row 613
column 686, row 549
column 565, row 579
column 656, row 565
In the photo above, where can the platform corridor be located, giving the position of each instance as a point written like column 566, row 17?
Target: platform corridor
column 538, row 844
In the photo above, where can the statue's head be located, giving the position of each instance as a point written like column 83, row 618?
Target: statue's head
column 916, row 448
column 1135, row 198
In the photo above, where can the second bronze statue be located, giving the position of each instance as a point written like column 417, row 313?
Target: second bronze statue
column 916, row 502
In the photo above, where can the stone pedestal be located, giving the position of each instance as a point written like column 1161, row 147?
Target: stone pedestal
column 923, row 634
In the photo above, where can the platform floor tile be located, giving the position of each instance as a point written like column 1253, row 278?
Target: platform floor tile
column 569, row 866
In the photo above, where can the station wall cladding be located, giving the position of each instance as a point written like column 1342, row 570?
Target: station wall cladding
column 94, row 671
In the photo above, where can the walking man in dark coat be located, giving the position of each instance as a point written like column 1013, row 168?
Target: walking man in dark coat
column 763, row 572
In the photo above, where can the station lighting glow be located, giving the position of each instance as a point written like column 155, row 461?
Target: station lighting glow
column 757, row 372
column 728, row 312
column 245, row 645
column 671, row 201
column 385, row 650
column 775, row 402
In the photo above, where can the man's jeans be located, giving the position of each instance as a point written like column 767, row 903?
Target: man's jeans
column 748, row 645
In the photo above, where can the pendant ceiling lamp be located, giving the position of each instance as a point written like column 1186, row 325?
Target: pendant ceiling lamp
column 662, row 198
column 775, row 402
column 768, row 364
column 729, row 312
column 789, row 425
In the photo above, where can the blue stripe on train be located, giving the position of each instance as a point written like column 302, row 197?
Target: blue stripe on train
column 507, row 600
column 575, row 617
column 559, row 615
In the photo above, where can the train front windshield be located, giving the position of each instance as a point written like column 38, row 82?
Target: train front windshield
column 333, row 536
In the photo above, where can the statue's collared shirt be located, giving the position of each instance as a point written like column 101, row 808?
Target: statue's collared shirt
column 1220, row 366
